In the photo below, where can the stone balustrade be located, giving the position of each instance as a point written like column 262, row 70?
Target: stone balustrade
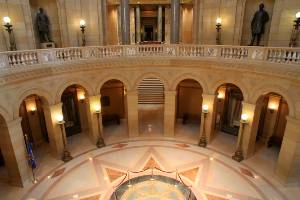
column 52, row 56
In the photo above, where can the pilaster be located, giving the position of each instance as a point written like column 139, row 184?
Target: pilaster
column 54, row 132
column 288, row 165
column 132, row 110
column 14, row 152
column 169, row 113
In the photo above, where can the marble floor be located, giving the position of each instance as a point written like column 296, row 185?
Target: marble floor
column 211, row 172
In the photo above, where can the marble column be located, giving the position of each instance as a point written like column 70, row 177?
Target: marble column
column 102, row 7
column 125, row 22
column 175, row 21
column 197, row 21
column 210, row 101
column 169, row 113
column 14, row 153
column 132, row 111
column 288, row 164
column 54, row 132
column 159, row 24
column 92, row 119
column 167, row 24
column 138, row 24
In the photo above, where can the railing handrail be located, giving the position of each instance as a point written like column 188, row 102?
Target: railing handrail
column 284, row 55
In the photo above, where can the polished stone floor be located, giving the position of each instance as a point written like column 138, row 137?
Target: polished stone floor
column 94, row 173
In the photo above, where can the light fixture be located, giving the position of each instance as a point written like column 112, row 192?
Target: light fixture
column 218, row 27
column 9, row 29
column 60, row 118
column 82, row 24
column 203, row 140
column 6, row 20
column 66, row 156
column 81, row 97
column 244, row 118
column 32, row 109
column 219, row 21
column 97, row 108
column 205, row 108
column 272, row 107
column 100, row 142
column 30, row 104
column 221, row 95
column 294, row 35
column 238, row 154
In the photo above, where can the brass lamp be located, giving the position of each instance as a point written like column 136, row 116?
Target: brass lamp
column 203, row 140
column 218, row 28
column 66, row 154
column 238, row 155
column 82, row 27
column 9, row 29
column 100, row 142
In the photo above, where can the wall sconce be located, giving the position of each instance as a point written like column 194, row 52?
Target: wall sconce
column 32, row 109
column 293, row 40
column 9, row 29
column 238, row 155
column 66, row 156
column 218, row 27
column 244, row 118
column 100, row 143
column 272, row 107
column 203, row 140
column 30, row 104
column 82, row 27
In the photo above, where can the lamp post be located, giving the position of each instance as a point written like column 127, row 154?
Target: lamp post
column 82, row 27
column 9, row 29
column 218, row 27
column 100, row 142
column 238, row 155
column 293, row 40
column 203, row 140
column 66, row 154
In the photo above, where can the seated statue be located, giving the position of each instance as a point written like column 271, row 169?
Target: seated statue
column 43, row 24
column 261, row 17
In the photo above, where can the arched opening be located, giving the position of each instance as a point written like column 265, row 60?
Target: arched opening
column 114, row 112
column 272, row 110
column 4, row 172
column 188, row 109
column 151, row 106
column 34, row 127
column 74, row 109
column 227, row 115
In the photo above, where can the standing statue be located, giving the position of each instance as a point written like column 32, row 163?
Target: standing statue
column 261, row 17
column 43, row 24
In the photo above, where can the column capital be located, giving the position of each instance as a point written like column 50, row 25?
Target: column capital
column 14, row 122
column 132, row 92
column 170, row 92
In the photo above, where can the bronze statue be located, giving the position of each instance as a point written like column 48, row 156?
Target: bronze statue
column 261, row 17
column 43, row 24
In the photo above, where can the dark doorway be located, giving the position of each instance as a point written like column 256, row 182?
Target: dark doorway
column 70, row 111
column 149, row 33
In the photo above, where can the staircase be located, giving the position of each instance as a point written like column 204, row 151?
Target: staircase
column 151, row 91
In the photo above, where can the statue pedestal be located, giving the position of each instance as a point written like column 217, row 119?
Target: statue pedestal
column 47, row 45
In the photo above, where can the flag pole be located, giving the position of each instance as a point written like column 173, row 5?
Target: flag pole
column 31, row 160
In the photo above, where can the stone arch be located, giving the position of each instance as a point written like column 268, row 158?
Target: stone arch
column 75, row 81
column 113, row 77
column 238, row 84
column 265, row 89
column 7, row 116
column 45, row 96
column 151, row 74
column 189, row 76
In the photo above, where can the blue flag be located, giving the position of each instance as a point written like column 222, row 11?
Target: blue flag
column 31, row 159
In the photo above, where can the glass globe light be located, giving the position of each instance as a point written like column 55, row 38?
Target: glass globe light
column 219, row 20
column 298, row 15
column 6, row 20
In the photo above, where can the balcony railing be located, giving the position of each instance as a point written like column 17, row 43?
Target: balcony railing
column 14, row 59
